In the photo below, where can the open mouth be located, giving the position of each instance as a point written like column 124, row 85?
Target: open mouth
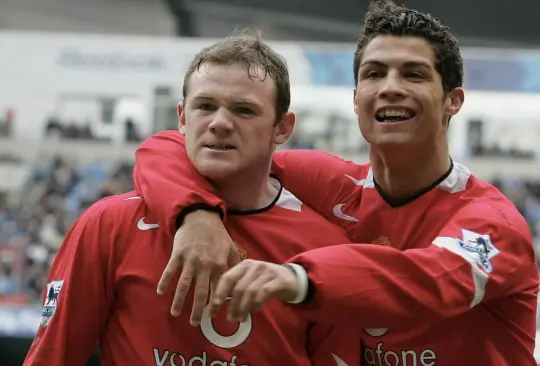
column 220, row 147
column 389, row 115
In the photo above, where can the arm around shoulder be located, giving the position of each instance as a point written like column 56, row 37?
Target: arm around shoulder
column 319, row 179
column 169, row 182
column 481, row 254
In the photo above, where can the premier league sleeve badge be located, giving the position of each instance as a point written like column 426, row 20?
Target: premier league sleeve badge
column 51, row 299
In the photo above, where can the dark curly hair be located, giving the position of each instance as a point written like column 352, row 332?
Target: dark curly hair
column 384, row 17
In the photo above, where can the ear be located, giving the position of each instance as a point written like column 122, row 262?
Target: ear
column 454, row 102
column 181, row 118
column 355, row 105
column 284, row 128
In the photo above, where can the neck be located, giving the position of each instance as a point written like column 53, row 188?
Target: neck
column 402, row 175
column 245, row 192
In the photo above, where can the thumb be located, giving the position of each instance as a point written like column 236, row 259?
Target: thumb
column 234, row 256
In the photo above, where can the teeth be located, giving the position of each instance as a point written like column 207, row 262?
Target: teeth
column 219, row 147
column 395, row 113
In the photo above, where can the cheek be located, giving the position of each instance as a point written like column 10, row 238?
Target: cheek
column 364, row 112
column 434, row 100
column 261, row 141
column 190, row 149
column 364, row 101
column 190, row 141
column 193, row 133
column 194, row 129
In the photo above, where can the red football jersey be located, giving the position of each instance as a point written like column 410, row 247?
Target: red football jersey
column 449, row 278
column 102, row 289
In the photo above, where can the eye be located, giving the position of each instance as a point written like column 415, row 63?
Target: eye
column 244, row 110
column 415, row 75
column 206, row 107
column 373, row 74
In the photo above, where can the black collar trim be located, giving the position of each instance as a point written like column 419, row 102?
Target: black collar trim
column 263, row 209
column 403, row 202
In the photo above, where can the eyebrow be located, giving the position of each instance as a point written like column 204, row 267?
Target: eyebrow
column 202, row 98
column 245, row 101
column 407, row 64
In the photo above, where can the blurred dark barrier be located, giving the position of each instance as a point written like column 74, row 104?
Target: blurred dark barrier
column 13, row 351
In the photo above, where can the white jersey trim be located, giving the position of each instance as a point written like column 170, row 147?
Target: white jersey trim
column 289, row 201
column 455, row 182
column 479, row 276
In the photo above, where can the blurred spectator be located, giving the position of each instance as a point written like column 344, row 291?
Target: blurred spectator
column 131, row 132
column 6, row 122
column 54, row 128
column 32, row 230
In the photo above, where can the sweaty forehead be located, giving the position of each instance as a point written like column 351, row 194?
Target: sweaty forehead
column 399, row 51
column 232, row 82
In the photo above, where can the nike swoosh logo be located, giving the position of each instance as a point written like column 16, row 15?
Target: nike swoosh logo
column 360, row 182
column 339, row 361
column 144, row 226
column 133, row 198
column 339, row 213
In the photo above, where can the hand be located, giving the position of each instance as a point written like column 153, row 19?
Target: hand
column 250, row 284
column 204, row 250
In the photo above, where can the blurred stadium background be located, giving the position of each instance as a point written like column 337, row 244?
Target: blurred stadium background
column 82, row 82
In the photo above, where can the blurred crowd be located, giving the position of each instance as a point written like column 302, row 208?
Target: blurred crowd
column 32, row 230
column 59, row 190
column 526, row 198
column 494, row 150
column 72, row 130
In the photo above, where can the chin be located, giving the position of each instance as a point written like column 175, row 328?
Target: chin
column 216, row 170
column 395, row 140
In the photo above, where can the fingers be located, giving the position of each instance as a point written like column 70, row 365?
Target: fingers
column 248, row 285
column 225, row 285
column 239, row 293
column 213, row 310
column 252, row 299
column 171, row 269
column 267, row 291
column 184, row 283
column 201, row 296
column 251, row 292
column 205, row 257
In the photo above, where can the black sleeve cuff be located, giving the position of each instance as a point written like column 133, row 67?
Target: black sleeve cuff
column 310, row 292
column 196, row 207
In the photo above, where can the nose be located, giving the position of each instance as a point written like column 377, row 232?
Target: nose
column 392, row 87
column 221, row 122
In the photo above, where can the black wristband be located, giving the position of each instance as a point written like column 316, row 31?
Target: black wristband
column 196, row 207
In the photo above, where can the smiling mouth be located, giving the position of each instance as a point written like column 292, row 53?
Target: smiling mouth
column 390, row 116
